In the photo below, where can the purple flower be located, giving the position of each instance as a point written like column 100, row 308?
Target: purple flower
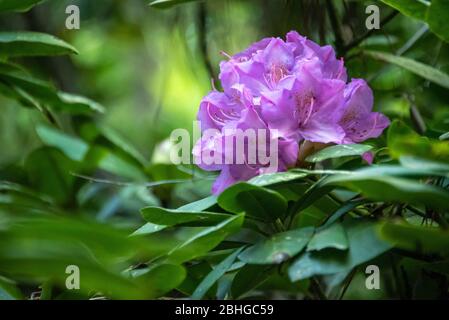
column 307, row 105
column 285, row 92
column 219, row 150
column 358, row 121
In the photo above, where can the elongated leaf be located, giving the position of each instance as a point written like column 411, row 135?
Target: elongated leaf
column 122, row 144
column 255, row 201
column 418, row 68
column 444, row 136
column 105, row 159
column 276, row 178
column 18, row 5
column 76, row 103
column 49, row 171
column 74, row 148
column 148, row 228
column 331, row 237
column 218, row 271
column 403, row 141
column 394, row 189
column 9, row 290
column 416, row 238
column 200, row 205
column 364, row 245
column 26, row 43
column 338, row 151
column 418, row 163
column 412, row 8
column 163, row 4
column 437, row 17
column 35, row 91
column 279, row 248
column 248, row 278
column 170, row 217
column 160, row 278
column 204, row 240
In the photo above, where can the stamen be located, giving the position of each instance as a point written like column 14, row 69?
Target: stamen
column 225, row 55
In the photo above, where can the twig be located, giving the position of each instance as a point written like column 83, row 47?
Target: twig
column 335, row 23
column 347, row 283
column 202, row 37
column 367, row 34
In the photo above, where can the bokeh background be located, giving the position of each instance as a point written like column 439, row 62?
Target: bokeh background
column 150, row 68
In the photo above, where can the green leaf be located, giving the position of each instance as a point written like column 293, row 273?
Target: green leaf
column 171, row 217
column 26, row 43
column 403, row 141
column 148, row 228
column 342, row 150
column 35, row 91
column 248, row 278
column 255, row 201
column 160, row 278
column 364, row 245
column 9, row 290
column 437, row 17
column 204, row 240
column 412, row 8
column 163, row 4
column 279, row 248
column 444, row 136
column 269, row 179
column 74, row 148
column 418, row 68
column 105, row 159
column 122, row 144
column 348, row 206
column 40, row 248
column 218, row 271
column 431, row 166
column 50, row 172
column 200, row 205
column 75, row 103
column 333, row 236
column 387, row 188
column 416, row 238
column 18, row 5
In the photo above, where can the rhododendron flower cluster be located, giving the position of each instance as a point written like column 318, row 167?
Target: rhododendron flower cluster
column 294, row 89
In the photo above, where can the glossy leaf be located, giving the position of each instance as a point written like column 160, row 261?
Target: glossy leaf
column 204, row 240
column 276, row 178
column 255, row 201
column 403, row 141
column 25, row 43
column 163, row 4
column 364, row 245
column 18, row 5
column 74, row 148
column 384, row 188
column 437, row 17
column 333, row 236
column 425, row 71
column 416, row 238
column 412, row 8
column 278, row 248
column 218, row 271
column 170, row 217
column 338, row 151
